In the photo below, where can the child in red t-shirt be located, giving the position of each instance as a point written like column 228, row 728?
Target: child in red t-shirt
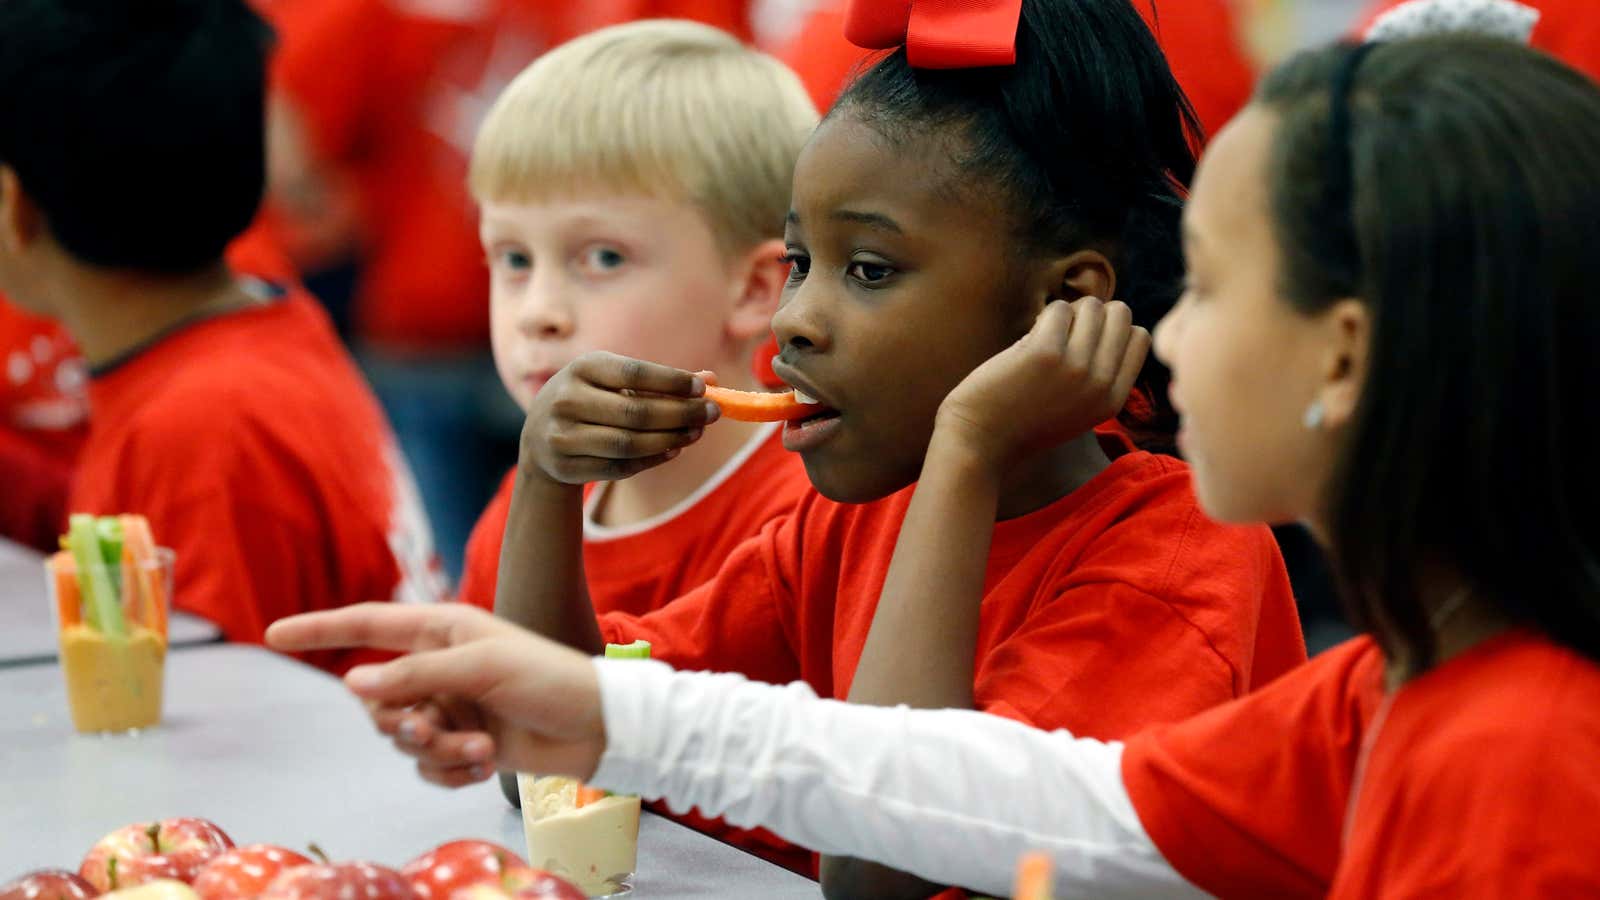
column 1380, row 336
column 924, row 238
column 617, row 217
column 223, row 408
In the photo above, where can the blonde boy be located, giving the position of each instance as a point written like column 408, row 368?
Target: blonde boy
column 633, row 185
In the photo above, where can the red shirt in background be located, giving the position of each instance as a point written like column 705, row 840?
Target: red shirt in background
column 1202, row 40
column 392, row 93
column 1116, row 607
column 641, row 568
column 1567, row 29
column 44, row 412
column 1476, row 779
column 258, row 454
column 44, row 406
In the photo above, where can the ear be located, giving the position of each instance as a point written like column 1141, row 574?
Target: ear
column 1347, row 331
column 1086, row 273
column 20, row 221
column 759, row 275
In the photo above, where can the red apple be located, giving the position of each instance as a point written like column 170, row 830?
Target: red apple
column 521, row 883
column 145, row 851
column 339, row 881
column 244, row 872
column 442, row 871
column 160, row 889
column 48, row 884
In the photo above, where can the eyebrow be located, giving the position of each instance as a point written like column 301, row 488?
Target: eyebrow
column 870, row 219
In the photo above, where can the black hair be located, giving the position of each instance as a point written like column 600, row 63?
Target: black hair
column 1088, row 138
column 1469, row 228
column 136, row 126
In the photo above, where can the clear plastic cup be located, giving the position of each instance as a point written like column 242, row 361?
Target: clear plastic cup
column 114, row 680
column 595, row 846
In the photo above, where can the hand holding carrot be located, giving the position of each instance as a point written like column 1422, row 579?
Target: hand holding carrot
column 1071, row 372
column 606, row 417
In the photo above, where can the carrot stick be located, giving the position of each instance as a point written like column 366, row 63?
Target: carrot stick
column 588, row 795
column 141, row 546
column 750, row 406
column 1033, row 878
column 69, row 603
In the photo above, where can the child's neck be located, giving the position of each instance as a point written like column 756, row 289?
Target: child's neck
column 655, row 491
column 1051, row 475
column 111, row 313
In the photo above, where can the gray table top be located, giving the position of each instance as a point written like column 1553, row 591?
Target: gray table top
column 278, row 752
column 27, row 631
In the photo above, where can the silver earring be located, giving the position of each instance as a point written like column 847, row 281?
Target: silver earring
column 1313, row 417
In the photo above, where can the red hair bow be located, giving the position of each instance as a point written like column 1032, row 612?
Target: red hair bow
column 938, row 34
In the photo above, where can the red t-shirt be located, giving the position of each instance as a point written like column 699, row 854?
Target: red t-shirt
column 1477, row 779
column 1202, row 40
column 259, row 455
column 1567, row 29
column 641, row 568
column 44, row 413
column 392, row 93
column 1118, row 606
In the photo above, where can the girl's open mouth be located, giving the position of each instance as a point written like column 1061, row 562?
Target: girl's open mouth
column 800, row 435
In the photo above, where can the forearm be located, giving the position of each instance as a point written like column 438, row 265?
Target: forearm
column 541, row 584
column 924, row 634
column 952, row 796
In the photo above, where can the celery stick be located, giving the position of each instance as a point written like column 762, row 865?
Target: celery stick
column 635, row 650
column 101, row 607
column 109, row 530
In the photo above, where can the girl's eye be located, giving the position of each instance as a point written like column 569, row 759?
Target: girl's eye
column 869, row 273
column 799, row 264
column 603, row 259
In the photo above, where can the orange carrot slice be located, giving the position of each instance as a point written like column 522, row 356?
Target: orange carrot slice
column 1033, row 877
column 588, row 795
column 69, row 603
column 751, row 406
column 140, row 546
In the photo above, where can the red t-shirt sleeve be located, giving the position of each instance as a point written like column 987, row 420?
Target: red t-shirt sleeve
column 736, row 622
column 480, row 570
column 1103, row 661
column 1248, row 799
column 33, row 505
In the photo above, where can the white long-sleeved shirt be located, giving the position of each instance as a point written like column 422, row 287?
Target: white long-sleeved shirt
column 953, row 796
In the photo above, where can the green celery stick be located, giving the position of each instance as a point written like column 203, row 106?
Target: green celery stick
column 635, row 650
column 101, row 606
column 109, row 530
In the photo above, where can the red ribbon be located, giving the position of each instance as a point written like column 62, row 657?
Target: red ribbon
column 938, row 34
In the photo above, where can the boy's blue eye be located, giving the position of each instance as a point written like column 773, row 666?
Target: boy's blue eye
column 869, row 272
column 514, row 259
column 603, row 258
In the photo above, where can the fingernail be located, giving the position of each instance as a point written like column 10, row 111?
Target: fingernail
column 670, row 454
column 363, row 678
column 481, row 772
column 697, row 386
column 408, row 731
column 694, row 434
column 478, row 748
column 713, row 412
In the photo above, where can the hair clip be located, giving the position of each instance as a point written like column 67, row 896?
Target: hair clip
column 938, row 34
column 1423, row 18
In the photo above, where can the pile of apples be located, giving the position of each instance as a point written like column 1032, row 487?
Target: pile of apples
column 193, row 859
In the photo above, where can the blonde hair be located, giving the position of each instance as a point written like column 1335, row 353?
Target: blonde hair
column 665, row 108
